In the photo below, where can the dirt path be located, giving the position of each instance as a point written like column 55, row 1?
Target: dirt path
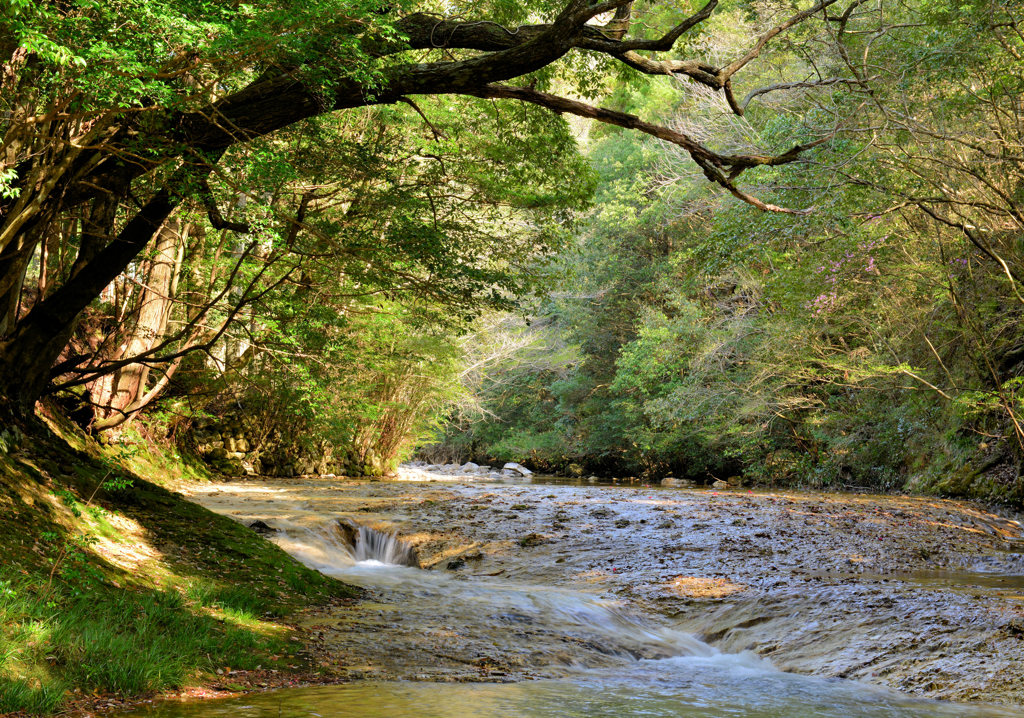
column 922, row 595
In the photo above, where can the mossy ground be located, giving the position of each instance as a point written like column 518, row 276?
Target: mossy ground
column 111, row 589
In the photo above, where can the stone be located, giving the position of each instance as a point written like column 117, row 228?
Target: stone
column 469, row 467
column 719, row 484
column 513, row 466
column 261, row 527
column 242, row 445
column 621, row 523
column 218, row 452
column 532, row 539
column 456, row 563
column 679, row 483
column 735, row 481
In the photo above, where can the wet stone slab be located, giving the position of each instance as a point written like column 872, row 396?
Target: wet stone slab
column 535, row 580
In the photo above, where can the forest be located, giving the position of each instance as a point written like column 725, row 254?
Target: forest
column 769, row 244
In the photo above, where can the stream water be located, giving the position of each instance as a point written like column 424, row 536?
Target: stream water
column 593, row 654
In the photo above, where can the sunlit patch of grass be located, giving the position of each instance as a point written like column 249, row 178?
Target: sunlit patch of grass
column 135, row 591
column 119, row 641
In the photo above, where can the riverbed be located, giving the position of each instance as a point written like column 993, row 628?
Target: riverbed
column 547, row 597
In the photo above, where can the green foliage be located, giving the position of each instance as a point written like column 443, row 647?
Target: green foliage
column 863, row 345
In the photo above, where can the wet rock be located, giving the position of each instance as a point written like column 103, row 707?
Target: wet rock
column 679, row 483
column 602, row 513
column 456, row 563
column 719, row 484
column 512, row 466
column 261, row 527
column 532, row 539
column 622, row 523
column 469, row 467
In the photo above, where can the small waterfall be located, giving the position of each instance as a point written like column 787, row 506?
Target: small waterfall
column 368, row 544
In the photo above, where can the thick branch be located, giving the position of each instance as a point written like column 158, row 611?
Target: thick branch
column 720, row 169
column 213, row 212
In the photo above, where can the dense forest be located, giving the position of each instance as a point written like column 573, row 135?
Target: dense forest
column 773, row 239
column 870, row 339
column 772, row 243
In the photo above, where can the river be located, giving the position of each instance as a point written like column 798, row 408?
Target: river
column 553, row 599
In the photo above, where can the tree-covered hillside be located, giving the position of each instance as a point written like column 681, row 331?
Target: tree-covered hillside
column 874, row 341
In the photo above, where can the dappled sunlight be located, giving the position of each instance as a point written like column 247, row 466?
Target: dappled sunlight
column 699, row 587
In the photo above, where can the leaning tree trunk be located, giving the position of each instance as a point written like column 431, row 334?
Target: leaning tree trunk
column 29, row 352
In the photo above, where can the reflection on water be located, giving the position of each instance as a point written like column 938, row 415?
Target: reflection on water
column 714, row 687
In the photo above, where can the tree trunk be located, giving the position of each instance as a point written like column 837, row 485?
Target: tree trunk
column 117, row 395
column 17, row 268
column 27, row 354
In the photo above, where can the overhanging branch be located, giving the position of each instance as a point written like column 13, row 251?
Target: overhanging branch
column 718, row 168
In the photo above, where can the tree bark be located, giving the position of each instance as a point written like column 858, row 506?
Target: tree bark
column 115, row 393
column 40, row 337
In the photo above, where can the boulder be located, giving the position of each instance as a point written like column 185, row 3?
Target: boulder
column 261, row 527
column 513, row 466
column 218, row 452
column 719, row 484
column 679, row 483
column 469, row 467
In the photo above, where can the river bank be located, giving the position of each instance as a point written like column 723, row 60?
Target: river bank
column 114, row 589
column 916, row 594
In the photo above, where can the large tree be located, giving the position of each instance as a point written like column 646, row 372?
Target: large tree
column 115, row 113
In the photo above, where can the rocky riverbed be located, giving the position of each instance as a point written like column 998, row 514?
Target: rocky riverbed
column 922, row 595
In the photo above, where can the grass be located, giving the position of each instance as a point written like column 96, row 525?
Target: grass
column 134, row 592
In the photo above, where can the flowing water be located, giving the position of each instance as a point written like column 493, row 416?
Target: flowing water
column 594, row 655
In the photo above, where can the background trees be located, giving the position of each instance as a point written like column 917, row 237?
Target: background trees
column 301, row 208
column 871, row 342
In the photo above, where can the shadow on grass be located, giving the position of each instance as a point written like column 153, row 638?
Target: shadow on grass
column 208, row 601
